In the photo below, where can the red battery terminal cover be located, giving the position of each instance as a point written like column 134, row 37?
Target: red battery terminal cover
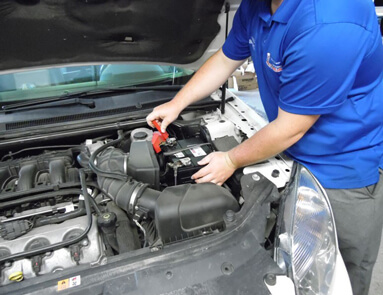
column 158, row 137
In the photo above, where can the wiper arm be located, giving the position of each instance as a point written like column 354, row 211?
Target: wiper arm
column 29, row 103
column 123, row 89
column 88, row 93
column 50, row 104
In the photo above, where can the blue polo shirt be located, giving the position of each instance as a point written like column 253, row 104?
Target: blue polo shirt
column 321, row 57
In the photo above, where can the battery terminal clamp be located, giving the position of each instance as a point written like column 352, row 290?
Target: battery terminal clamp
column 178, row 164
column 161, row 138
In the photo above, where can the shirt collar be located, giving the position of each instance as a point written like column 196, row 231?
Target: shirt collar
column 264, row 11
column 283, row 13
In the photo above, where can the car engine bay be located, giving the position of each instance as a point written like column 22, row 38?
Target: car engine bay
column 61, row 207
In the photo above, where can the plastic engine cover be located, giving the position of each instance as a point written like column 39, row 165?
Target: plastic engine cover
column 189, row 210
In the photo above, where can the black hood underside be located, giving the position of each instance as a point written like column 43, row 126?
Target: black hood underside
column 38, row 33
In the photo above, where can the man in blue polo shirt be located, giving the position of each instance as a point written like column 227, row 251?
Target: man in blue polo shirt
column 320, row 68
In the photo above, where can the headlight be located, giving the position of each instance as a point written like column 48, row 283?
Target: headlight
column 306, row 238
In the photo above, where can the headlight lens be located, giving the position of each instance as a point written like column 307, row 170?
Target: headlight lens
column 306, row 241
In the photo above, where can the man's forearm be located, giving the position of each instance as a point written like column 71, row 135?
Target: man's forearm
column 273, row 139
column 214, row 72
column 205, row 81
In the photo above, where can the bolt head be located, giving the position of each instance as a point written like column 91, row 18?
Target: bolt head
column 270, row 279
column 230, row 215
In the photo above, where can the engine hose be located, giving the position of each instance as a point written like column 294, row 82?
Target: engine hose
column 59, row 218
column 129, row 194
column 37, row 190
column 95, row 206
column 100, row 172
column 44, row 196
column 59, row 245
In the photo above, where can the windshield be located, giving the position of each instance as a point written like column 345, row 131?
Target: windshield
column 52, row 82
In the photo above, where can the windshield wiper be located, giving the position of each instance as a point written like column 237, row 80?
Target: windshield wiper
column 51, row 104
column 122, row 89
column 75, row 97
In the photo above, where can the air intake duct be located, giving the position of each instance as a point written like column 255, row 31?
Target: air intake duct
column 127, row 194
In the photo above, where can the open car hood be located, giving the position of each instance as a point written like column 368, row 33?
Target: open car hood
column 38, row 33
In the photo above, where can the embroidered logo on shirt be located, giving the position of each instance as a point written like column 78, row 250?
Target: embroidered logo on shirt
column 272, row 64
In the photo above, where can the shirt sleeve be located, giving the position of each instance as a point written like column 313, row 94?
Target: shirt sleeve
column 320, row 66
column 236, row 46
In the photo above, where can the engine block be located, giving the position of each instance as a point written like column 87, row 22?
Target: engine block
column 91, row 248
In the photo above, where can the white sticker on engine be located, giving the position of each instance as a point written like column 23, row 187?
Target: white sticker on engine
column 74, row 281
column 179, row 155
column 198, row 152
column 69, row 208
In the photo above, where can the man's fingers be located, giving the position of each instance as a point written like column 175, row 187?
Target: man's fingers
column 164, row 124
column 151, row 117
column 163, row 121
column 201, row 173
column 209, row 178
column 206, row 178
column 206, row 160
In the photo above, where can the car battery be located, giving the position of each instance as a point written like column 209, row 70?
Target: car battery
column 182, row 160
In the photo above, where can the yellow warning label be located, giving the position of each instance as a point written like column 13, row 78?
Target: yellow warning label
column 62, row 285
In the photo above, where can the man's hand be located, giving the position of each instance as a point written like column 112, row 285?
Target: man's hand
column 164, row 114
column 219, row 168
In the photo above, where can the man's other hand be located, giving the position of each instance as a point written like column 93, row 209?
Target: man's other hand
column 218, row 169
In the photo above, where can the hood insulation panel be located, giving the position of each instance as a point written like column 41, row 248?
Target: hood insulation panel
column 37, row 33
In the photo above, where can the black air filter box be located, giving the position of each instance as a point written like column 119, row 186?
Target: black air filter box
column 188, row 210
